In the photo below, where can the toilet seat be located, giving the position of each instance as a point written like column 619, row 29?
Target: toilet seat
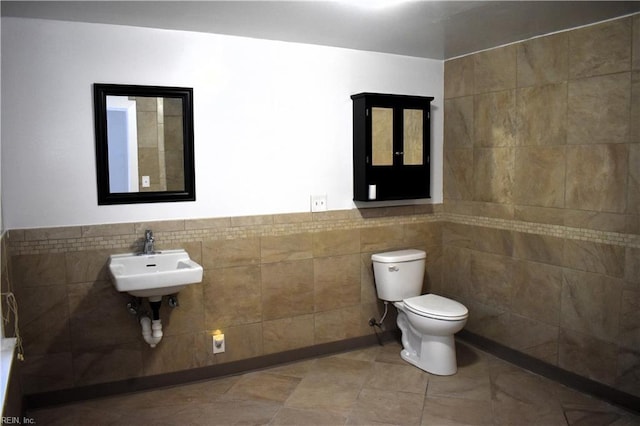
column 436, row 307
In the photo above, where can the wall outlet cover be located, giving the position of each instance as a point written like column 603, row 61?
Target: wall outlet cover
column 318, row 203
column 218, row 343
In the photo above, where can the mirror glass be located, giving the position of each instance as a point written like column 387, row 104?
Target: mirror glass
column 144, row 144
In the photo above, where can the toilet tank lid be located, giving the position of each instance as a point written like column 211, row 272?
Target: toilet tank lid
column 399, row 256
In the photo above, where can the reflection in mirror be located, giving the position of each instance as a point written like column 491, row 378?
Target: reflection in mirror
column 144, row 144
column 122, row 137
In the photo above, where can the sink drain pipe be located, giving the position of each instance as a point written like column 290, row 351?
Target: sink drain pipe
column 152, row 329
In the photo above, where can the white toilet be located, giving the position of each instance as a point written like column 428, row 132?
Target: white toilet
column 427, row 322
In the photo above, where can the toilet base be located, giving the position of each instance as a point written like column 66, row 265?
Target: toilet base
column 435, row 354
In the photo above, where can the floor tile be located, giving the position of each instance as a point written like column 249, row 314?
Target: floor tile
column 325, row 394
column 472, row 382
column 296, row 417
column 456, row 411
column 263, row 386
column 523, row 413
column 387, row 407
column 397, row 378
column 350, row 372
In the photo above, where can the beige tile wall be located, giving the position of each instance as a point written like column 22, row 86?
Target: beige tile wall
column 541, row 187
column 271, row 283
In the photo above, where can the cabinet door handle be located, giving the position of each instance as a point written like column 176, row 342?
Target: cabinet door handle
column 399, row 153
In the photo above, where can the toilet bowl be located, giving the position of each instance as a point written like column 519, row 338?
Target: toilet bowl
column 428, row 322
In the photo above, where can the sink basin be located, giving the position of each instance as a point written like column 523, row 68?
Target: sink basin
column 153, row 275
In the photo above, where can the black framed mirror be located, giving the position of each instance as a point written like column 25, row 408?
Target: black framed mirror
column 144, row 143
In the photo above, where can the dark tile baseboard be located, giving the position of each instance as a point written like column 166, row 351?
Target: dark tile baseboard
column 567, row 378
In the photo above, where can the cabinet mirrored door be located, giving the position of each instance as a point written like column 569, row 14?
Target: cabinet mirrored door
column 413, row 143
column 382, row 136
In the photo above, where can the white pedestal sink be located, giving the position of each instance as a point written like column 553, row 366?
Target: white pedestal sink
column 153, row 275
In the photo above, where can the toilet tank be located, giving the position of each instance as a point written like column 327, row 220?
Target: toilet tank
column 398, row 274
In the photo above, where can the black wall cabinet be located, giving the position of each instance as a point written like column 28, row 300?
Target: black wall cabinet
column 391, row 145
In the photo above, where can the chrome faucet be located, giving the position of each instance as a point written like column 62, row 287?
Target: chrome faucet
column 148, row 242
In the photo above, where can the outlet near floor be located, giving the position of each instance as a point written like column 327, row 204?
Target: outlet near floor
column 218, row 343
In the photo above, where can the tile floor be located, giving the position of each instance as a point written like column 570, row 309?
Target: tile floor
column 363, row 387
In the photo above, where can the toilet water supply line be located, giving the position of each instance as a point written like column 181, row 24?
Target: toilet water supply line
column 373, row 322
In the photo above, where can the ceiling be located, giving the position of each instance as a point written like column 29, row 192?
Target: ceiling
column 428, row 29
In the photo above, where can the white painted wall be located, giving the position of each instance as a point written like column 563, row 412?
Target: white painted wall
column 272, row 119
